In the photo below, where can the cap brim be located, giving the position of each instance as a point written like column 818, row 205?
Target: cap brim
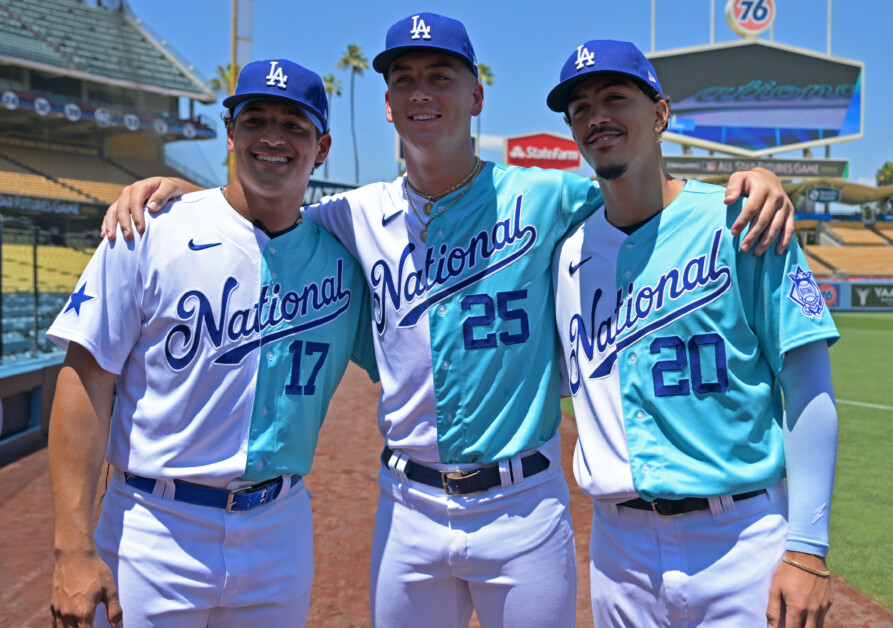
column 559, row 96
column 231, row 102
column 382, row 61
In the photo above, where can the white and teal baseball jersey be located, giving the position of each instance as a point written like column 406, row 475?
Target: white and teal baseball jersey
column 672, row 341
column 464, row 320
column 190, row 312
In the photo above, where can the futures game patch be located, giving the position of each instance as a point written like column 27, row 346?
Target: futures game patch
column 806, row 293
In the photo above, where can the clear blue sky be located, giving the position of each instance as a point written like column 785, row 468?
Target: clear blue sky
column 525, row 44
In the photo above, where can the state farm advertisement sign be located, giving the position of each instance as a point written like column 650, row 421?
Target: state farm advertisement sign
column 542, row 150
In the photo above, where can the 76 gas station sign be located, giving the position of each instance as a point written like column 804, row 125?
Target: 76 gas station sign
column 749, row 18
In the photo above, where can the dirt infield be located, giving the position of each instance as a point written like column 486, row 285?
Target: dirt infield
column 346, row 494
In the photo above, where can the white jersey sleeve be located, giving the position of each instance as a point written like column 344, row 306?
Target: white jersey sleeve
column 100, row 314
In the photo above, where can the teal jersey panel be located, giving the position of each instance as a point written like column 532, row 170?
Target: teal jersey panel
column 314, row 316
column 491, row 314
column 702, row 329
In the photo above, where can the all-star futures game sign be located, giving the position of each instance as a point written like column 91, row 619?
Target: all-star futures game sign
column 755, row 97
column 542, row 150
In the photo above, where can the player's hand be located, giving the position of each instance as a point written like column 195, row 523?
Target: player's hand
column 81, row 581
column 768, row 209
column 128, row 211
column 798, row 598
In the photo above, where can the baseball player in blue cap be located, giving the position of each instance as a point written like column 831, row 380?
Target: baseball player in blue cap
column 677, row 348
column 473, row 505
column 206, row 520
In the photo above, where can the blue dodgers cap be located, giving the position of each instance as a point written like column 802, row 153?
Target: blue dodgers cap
column 281, row 79
column 600, row 56
column 426, row 31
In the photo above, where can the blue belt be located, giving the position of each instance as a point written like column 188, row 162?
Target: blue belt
column 235, row 500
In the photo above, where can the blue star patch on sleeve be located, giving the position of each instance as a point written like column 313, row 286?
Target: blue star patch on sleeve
column 78, row 298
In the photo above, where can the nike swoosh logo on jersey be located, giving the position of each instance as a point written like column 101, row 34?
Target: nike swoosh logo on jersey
column 573, row 268
column 198, row 247
column 387, row 219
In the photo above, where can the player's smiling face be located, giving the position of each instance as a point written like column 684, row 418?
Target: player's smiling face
column 274, row 144
column 431, row 98
column 614, row 123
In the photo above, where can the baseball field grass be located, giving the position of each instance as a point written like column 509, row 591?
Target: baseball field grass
column 862, row 512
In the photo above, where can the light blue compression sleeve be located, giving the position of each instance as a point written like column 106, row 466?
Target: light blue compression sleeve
column 810, row 445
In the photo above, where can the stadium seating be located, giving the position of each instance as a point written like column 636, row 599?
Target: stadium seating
column 73, row 35
column 18, row 321
column 819, row 268
column 18, row 40
column 105, row 192
column 35, row 185
column 143, row 169
column 885, row 228
column 58, row 268
column 853, row 233
column 93, row 178
column 855, row 260
column 60, row 162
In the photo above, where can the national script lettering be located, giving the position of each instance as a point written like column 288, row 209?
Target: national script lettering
column 274, row 307
column 634, row 305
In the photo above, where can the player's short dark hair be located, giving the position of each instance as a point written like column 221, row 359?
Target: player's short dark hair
column 227, row 117
column 649, row 91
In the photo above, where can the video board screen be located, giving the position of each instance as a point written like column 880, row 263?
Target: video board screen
column 760, row 97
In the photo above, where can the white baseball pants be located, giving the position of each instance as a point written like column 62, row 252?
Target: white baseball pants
column 179, row 565
column 705, row 568
column 507, row 554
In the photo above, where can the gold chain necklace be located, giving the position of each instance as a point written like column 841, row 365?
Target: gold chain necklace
column 449, row 190
column 470, row 179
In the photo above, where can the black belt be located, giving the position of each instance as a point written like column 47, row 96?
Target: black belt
column 458, row 482
column 239, row 499
column 673, row 507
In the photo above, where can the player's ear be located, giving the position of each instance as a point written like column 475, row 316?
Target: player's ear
column 387, row 105
column 229, row 136
column 323, row 147
column 661, row 115
column 477, row 105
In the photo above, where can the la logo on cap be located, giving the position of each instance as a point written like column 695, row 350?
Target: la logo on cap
column 276, row 76
column 419, row 29
column 584, row 57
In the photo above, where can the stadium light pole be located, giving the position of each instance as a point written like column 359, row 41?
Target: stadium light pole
column 653, row 24
column 829, row 28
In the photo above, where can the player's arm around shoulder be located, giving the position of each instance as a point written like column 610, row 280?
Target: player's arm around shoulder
column 335, row 215
column 127, row 212
column 767, row 211
column 580, row 197
column 79, row 431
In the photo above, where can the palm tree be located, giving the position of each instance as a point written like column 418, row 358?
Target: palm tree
column 354, row 60
column 485, row 76
column 220, row 82
column 333, row 88
column 884, row 176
